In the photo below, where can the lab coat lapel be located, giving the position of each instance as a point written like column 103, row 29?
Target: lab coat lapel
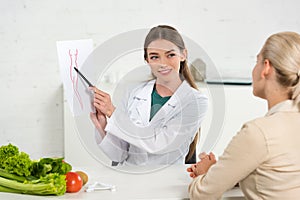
column 166, row 111
column 175, row 103
column 144, row 105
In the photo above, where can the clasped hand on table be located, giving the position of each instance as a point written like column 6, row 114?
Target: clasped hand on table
column 201, row 167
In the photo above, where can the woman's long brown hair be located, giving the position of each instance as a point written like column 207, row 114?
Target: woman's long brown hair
column 171, row 34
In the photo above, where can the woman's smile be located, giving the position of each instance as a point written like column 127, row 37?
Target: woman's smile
column 165, row 71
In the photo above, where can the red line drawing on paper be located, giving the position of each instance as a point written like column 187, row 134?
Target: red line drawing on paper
column 74, row 75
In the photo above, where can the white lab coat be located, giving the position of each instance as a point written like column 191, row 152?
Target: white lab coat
column 134, row 140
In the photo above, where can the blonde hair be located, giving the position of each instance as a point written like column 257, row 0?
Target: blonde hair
column 283, row 52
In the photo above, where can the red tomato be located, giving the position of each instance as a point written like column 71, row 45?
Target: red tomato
column 74, row 182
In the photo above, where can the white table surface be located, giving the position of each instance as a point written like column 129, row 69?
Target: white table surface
column 171, row 182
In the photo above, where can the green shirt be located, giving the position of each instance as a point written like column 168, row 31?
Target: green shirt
column 157, row 102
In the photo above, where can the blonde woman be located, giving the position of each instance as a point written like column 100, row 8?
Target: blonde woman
column 264, row 157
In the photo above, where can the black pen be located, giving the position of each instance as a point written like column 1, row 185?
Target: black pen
column 89, row 83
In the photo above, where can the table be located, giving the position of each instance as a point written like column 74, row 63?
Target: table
column 167, row 182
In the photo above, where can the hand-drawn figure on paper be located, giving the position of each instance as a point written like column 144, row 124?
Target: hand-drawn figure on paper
column 74, row 53
column 73, row 75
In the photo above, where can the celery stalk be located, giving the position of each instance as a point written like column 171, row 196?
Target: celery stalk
column 22, row 186
column 5, row 174
column 55, row 186
column 5, row 189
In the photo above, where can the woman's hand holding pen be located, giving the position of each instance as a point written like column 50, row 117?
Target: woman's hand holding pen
column 104, row 107
column 201, row 167
column 102, row 102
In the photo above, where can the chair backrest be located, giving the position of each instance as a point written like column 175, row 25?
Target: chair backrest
column 193, row 158
column 114, row 163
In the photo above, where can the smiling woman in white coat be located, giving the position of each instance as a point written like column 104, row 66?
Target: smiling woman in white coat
column 159, row 120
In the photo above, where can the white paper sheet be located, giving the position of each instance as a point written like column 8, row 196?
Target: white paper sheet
column 73, row 54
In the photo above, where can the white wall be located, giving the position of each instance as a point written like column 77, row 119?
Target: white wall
column 31, row 111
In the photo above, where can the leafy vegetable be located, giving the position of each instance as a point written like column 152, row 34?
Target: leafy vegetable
column 8, row 151
column 14, row 161
column 19, row 174
column 19, row 164
column 51, row 184
column 50, row 165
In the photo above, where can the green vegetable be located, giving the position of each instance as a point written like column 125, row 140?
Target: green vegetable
column 49, row 165
column 51, row 184
column 5, row 174
column 8, row 151
column 19, row 164
column 14, row 161
column 19, row 174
